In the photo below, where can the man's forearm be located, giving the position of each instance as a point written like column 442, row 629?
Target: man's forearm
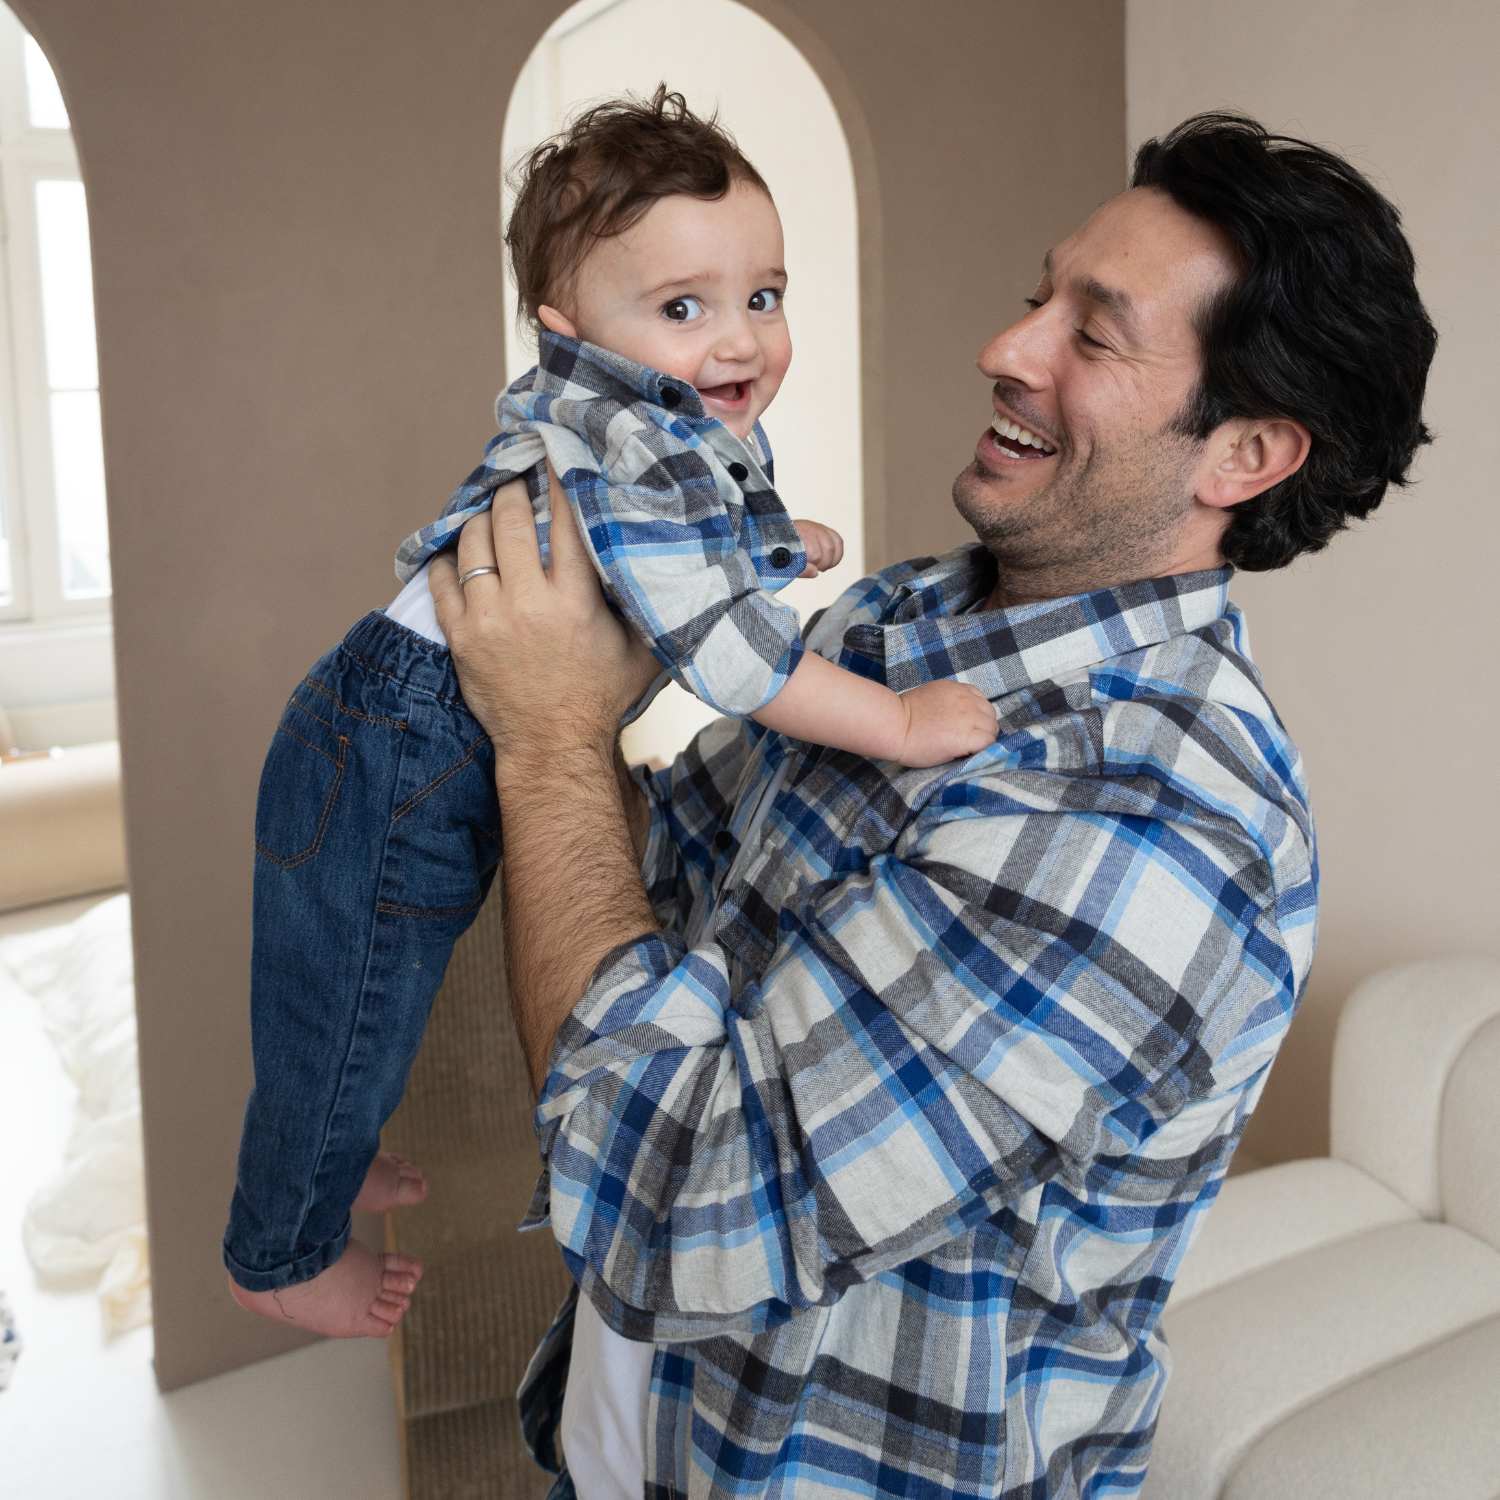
column 575, row 829
column 637, row 813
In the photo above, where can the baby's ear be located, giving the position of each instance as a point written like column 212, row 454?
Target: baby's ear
column 555, row 322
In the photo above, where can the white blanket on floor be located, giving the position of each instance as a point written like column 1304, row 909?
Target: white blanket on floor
column 90, row 1218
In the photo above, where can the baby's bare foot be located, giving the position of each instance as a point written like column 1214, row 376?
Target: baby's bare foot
column 361, row 1295
column 390, row 1183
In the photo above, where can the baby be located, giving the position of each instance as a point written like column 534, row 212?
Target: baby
column 648, row 254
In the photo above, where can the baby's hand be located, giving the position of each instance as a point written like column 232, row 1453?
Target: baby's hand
column 945, row 721
column 823, row 545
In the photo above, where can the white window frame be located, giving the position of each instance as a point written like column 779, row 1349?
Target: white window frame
column 29, row 154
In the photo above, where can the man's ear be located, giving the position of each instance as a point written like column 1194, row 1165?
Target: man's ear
column 1243, row 459
column 554, row 321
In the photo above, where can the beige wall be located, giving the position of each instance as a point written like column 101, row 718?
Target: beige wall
column 1381, row 653
column 297, row 282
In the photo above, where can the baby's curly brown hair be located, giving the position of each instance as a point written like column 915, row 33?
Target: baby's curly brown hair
column 596, row 178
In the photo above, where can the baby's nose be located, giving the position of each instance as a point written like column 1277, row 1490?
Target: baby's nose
column 737, row 341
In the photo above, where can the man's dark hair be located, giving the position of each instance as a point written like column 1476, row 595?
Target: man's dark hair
column 600, row 174
column 1322, row 325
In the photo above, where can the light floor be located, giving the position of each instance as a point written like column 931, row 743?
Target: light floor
column 83, row 1420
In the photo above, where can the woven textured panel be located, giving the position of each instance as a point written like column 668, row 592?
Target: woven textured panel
column 488, row 1292
column 468, row 1455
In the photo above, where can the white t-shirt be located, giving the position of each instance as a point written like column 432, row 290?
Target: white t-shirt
column 603, row 1427
column 413, row 608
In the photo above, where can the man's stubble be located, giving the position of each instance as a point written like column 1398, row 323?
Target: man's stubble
column 1112, row 517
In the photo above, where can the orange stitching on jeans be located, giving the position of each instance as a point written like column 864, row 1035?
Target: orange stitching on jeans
column 344, row 708
column 437, row 781
column 282, row 729
column 297, row 703
column 293, row 860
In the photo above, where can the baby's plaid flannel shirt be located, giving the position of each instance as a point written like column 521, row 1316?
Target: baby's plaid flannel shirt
column 897, row 1164
column 688, row 535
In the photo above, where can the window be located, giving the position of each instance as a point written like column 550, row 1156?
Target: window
column 54, row 545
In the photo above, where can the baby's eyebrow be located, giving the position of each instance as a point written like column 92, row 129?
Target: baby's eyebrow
column 700, row 278
column 691, row 278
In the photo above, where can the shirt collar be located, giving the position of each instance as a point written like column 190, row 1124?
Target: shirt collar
column 571, row 368
column 917, row 628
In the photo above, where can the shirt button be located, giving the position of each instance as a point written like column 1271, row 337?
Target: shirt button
column 671, row 396
column 738, row 472
column 723, row 839
column 780, row 558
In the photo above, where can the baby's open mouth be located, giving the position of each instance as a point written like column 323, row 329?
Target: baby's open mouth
column 735, row 393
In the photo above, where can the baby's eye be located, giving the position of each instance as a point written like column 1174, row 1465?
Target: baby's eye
column 683, row 309
column 767, row 299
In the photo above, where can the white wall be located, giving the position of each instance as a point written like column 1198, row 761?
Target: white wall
column 1381, row 653
column 725, row 57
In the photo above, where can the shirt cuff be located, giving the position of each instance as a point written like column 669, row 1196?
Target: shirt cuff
column 746, row 658
column 648, row 996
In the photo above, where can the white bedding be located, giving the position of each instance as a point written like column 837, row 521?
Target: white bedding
column 89, row 1220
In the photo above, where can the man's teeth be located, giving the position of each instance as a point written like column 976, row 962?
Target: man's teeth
column 1020, row 435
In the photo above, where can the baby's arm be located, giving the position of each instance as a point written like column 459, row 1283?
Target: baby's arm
column 925, row 726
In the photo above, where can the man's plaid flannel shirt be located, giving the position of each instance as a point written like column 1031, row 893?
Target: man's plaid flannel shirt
column 896, row 1166
column 689, row 537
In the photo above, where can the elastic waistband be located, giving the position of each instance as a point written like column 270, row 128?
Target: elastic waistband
column 386, row 647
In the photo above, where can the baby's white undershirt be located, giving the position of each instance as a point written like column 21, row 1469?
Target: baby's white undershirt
column 413, row 608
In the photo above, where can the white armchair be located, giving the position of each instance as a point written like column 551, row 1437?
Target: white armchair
column 1335, row 1329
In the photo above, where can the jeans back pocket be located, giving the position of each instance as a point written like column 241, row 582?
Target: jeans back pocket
column 301, row 782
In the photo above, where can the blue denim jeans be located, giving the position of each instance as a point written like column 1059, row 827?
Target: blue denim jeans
column 377, row 835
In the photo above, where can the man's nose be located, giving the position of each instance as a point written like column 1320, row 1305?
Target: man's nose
column 1019, row 354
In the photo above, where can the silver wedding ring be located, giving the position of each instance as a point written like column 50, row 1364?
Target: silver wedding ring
column 463, row 578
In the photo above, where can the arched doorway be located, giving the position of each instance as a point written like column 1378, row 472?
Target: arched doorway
column 723, row 56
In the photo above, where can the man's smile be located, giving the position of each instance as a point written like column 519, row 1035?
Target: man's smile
column 1006, row 442
column 1015, row 438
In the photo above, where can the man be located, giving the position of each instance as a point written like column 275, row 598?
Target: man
column 879, row 1106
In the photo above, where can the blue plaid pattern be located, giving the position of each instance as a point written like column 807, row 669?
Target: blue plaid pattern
column 897, row 1164
column 686, row 530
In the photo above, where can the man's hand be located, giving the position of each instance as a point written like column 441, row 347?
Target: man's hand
column 548, row 670
column 545, row 667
